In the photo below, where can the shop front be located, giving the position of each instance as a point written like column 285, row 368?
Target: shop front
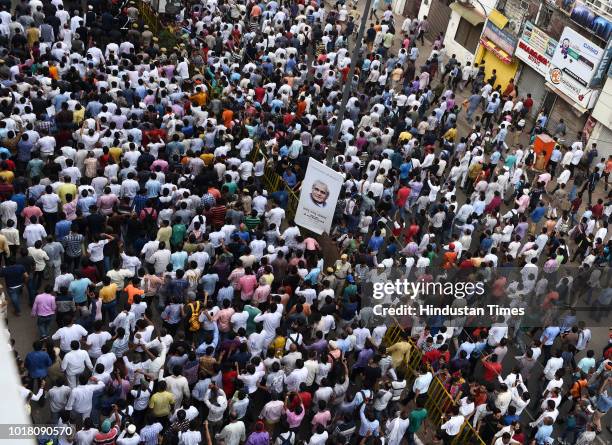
column 535, row 50
column 572, row 67
column 496, row 50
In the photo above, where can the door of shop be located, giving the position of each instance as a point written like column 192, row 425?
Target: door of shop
column 439, row 15
column 531, row 82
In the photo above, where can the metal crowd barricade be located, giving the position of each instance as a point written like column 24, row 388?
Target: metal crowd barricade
column 149, row 17
column 439, row 399
column 273, row 182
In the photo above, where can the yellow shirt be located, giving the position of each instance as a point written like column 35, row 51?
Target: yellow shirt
column 451, row 134
column 78, row 115
column 164, row 234
column 7, row 175
column 65, row 189
column 405, row 136
column 108, row 293
column 269, row 278
column 208, row 158
column 161, row 403
column 279, row 345
column 116, row 153
column 400, row 353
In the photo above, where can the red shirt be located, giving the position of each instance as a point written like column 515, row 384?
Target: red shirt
column 402, row 196
column 306, row 400
column 597, row 210
column 491, row 371
column 229, row 382
column 109, row 438
column 90, row 272
column 466, row 264
column 412, row 232
column 432, row 356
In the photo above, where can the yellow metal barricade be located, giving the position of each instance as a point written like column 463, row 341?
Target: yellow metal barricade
column 439, row 399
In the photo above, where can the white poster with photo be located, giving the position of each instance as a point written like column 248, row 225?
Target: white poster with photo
column 318, row 197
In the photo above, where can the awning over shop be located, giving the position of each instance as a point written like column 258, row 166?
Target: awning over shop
column 498, row 19
column 496, row 50
column 470, row 14
column 566, row 98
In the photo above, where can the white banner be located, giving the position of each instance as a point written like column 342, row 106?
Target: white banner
column 318, row 197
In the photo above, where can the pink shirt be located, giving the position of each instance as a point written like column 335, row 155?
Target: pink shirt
column 106, row 203
column 223, row 319
column 311, row 244
column 70, row 210
column 44, row 305
column 162, row 164
column 247, row 285
column 523, row 203
column 294, row 420
column 261, row 293
column 30, row 211
column 322, row 418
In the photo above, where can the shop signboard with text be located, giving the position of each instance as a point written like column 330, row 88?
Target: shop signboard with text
column 535, row 48
column 573, row 66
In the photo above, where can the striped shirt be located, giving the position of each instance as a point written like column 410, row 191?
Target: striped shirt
column 73, row 244
column 149, row 434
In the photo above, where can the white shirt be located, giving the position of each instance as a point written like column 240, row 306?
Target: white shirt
column 69, row 333
column 95, row 342
column 33, row 233
column 422, row 383
column 453, row 425
column 80, row 398
column 74, row 362
column 85, row 437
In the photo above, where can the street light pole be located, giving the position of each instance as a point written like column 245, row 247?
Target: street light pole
column 347, row 86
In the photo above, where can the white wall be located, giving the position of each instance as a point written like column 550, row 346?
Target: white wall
column 424, row 9
column 398, row 7
column 603, row 108
column 602, row 133
column 12, row 408
column 452, row 47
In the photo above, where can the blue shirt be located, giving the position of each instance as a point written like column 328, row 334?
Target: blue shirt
column 544, row 432
column 290, row 179
column 178, row 260
column 537, row 214
column 209, row 282
column 550, row 333
column 492, row 107
column 20, row 199
column 62, row 228
column 405, row 170
column 78, row 289
column 376, row 242
column 37, row 363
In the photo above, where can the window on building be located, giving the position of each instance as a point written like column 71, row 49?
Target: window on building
column 468, row 35
column 545, row 16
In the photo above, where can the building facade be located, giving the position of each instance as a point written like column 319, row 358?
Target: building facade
column 557, row 51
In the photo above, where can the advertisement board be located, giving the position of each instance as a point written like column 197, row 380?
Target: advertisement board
column 535, row 48
column 502, row 38
column 577, row 57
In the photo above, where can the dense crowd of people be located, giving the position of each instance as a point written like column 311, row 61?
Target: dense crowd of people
column 176, row 301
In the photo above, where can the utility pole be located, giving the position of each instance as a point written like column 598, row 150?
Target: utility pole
column 347, row 86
